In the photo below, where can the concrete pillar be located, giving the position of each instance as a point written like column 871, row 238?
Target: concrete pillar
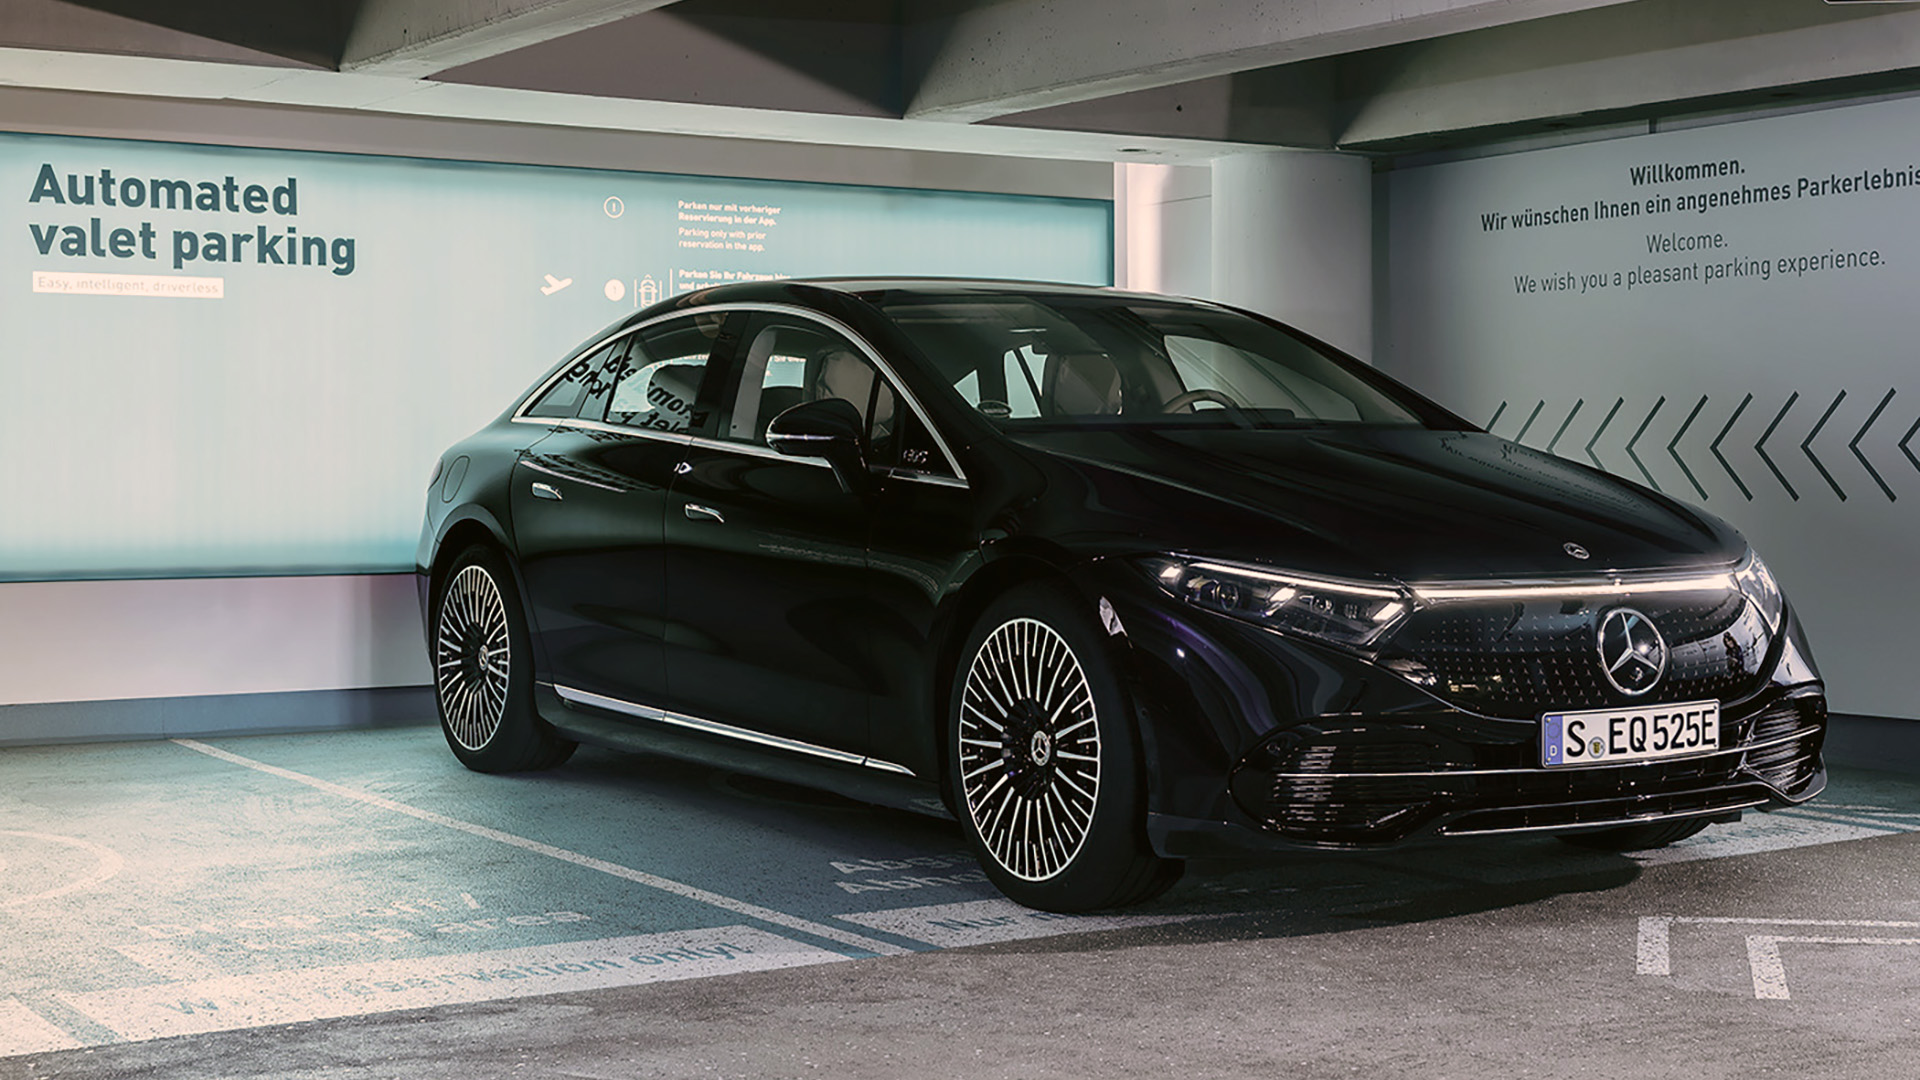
column 1163, row 235
column 1293, row 239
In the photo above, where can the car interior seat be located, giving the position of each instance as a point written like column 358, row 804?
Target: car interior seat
column 1081, row 384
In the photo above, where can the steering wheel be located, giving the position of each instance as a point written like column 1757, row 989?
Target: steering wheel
column 1193, row 397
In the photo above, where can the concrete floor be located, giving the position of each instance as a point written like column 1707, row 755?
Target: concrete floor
column 358, row 905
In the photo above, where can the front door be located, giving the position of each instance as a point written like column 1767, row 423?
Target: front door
column 767, row 582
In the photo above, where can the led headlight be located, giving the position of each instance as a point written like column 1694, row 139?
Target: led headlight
column 1351, row 613
column 1756, row 581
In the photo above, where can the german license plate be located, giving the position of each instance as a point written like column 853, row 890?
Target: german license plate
column 1613, row 736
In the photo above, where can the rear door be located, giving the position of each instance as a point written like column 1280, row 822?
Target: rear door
column 587, row 507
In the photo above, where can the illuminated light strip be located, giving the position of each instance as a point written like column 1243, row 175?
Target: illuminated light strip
column 1615, row 587
column 1296, row 579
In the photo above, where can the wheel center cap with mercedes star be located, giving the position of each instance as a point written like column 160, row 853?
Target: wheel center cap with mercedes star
column 1119, row 580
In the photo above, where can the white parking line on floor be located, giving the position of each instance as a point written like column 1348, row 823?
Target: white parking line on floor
column 1770, row 972
column 23, row 1031
column 1872, row 819
column 1777, row 831
column 639, row 877
column 169, row 961
column 287, row 997
column 981, row 922
column 1653, row 947
column 1866, row 808
column 108, row 863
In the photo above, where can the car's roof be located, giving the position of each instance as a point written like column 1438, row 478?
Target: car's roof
column 931, row 286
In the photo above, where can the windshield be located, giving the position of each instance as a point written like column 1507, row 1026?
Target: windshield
column 1050, row 361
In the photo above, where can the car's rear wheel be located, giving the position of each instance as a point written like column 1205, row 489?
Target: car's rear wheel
column 1654, row 834
column 483, row 675
column 1043, row 761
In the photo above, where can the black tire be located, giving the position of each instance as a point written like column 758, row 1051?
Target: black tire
column 483, row 670
column 1044, row 762
column 1655, row 834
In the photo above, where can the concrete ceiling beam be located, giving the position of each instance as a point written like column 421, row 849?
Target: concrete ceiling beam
column 392, row 95
column 1628, row 61
column 1012, row 56
column 418, row 38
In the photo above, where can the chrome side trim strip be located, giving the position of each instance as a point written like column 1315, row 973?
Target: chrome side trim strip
column 1637, row 819
column 611, row 429
column 713, row 727
column 927, row 478
column 1741, row 749
column 754, row 450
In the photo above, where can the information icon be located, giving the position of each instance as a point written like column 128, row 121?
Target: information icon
column 616, row 289
column 613, row 206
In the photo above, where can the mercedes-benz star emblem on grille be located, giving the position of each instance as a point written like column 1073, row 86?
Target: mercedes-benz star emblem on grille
column 1633, row 655
column 1574, row 550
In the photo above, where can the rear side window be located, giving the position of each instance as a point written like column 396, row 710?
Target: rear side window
column 586, row 380
column 656, row 384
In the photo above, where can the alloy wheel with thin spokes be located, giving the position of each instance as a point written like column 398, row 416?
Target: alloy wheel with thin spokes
column 472, row 657
column 483, row 671
column 1029, row 749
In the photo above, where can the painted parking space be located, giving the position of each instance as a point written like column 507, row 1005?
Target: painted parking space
column 162, row 889
column 1865, row 965
column 226, row 1003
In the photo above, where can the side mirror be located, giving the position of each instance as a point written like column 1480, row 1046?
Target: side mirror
column 830, row 429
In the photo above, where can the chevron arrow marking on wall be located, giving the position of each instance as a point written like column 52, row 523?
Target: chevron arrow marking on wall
column 1731, row 420
column 1864, row 463
column 1806, row 445
column 1597, row 463
column 1761, row 446
column 1673, row 446
column 1528, row 426
column 1565, row 424
column 1675, row 454
column 1641, row 465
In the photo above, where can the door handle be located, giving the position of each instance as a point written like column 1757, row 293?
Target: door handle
column 697, row 512
column 545, row 491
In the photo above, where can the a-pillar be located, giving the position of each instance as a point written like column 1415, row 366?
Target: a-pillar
column 1293, row 239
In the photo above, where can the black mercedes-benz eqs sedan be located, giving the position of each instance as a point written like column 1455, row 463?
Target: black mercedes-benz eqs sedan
column 1122, row 579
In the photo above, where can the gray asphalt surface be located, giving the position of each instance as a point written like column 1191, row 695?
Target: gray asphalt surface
column 1786, row 945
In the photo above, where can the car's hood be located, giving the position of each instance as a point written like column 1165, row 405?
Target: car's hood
column 1400, row 502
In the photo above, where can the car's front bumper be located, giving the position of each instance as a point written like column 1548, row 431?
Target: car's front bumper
column 1254, row 740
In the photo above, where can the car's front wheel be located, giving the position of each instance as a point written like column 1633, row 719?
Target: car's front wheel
column 482, row 670
column 1043, row 762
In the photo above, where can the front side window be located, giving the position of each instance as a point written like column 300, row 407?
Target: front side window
column 791, row 360
column 1041, row 361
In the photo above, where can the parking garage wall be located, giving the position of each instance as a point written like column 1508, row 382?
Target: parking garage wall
column 265, row 651
column 1722, row 313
